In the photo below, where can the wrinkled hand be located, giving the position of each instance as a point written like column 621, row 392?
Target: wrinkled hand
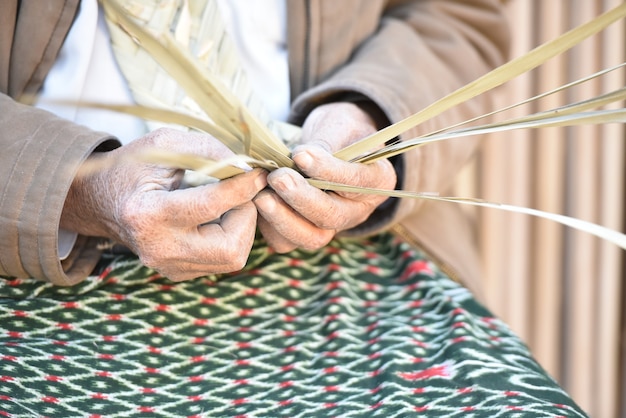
column 182, row 233
column 296, row 215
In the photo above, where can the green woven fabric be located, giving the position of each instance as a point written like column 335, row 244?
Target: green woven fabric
column 360, row 329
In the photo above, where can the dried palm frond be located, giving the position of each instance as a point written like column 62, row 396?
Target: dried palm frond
column 489, row 81
column 570, row 115
column 218, row 102
column 230, row 122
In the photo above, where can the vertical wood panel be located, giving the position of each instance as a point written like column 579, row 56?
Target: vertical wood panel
column 504, row 165
column 518, row 190
column 547, row 266
column 611, row 214
column 583, row 195
column 560, row 289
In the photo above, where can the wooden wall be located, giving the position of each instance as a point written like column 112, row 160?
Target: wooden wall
column 559, row 289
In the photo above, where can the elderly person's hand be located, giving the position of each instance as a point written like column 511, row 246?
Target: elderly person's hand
column 182, row 233
column 295, row 214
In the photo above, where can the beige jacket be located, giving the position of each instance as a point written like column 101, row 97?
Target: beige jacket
column 402, row 55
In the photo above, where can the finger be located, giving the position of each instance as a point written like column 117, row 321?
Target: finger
column 213, row 249
column 289, row 224
column 230, row 240
column 317, row 163
column 326, row 210
column 198, row 205
column 273, row 238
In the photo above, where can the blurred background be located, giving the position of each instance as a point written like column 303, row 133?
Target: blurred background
column 560, row 290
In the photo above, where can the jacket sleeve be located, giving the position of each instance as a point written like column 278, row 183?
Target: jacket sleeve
column 421, row 51
column 40, row 157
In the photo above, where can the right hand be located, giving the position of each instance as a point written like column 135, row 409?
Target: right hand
column 182, row 233
column 294, row 214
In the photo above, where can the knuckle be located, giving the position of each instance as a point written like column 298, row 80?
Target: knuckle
column 175, row 271
column 139, row 220
column 240, row 263
column 282, row 247
column 161, row 138
column 318, row 241
column 235, row 260
column 161, row 134
column 151, row 261
column 197, row 209
column 235, row 255
column 336, row 220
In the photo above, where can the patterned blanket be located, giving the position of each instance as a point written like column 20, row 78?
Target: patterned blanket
column 360, row 329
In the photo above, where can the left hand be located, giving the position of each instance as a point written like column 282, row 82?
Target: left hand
column 295, row 214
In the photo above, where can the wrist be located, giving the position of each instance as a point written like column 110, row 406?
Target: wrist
column 367, row 105
column 84, row 211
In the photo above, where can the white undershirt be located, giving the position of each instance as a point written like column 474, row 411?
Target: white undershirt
column 85, row 70
column 259, row 30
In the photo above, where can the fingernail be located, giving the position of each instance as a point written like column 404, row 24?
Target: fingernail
column 283, row 181
column 304, row 160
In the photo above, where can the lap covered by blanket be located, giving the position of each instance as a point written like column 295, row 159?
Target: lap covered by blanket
column 361, row 328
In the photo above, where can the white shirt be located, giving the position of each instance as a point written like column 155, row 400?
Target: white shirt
column 85, row 70
column 259, row 30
